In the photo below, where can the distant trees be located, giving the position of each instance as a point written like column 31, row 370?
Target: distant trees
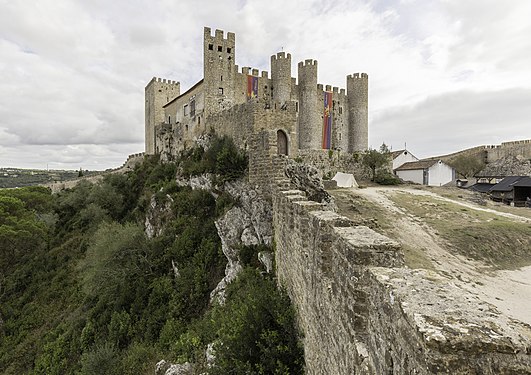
column 467, row 165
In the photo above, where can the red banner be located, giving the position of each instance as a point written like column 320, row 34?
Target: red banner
column 327, row 120
column 252, row 87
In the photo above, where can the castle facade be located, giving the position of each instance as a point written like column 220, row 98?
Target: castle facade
column 299, row 114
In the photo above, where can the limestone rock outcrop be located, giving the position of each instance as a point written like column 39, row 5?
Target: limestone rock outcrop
column 165, row 368
column 308, row 179
column 157, row 216
column 249, row 223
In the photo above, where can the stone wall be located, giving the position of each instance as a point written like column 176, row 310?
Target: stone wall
column 491, row 153
column 361, row 312
column 329, row 162
column 517, row 148
column 157, row 93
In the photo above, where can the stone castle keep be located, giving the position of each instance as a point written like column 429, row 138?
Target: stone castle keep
column 299, row 114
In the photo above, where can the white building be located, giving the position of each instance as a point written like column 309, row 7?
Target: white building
column 401, row 157
column 426, row 172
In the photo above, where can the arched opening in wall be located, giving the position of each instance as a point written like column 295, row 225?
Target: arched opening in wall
column 282, row 143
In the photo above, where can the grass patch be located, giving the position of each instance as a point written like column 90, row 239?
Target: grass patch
column 495, row 240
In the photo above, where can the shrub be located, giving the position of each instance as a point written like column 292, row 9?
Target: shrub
column 386, row 178
column 102, row 360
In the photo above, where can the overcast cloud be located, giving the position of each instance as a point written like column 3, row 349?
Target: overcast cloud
column 443, row 74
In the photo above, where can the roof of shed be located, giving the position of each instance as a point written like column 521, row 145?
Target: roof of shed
column 523, row 182
column 481, row 187
column 506, row 184
column 421, row 164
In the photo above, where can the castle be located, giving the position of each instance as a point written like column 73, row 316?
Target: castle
column 299, row 114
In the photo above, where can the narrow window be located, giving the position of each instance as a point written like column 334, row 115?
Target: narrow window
column 221, row 78
column 192, row 108
column 169, row 119
column 211, row 47
column 198, row 120
column 296, row 106
column 185, row 109
column 229, row 50
column 220, row 49
column 340, row 110
column 220, row 91
column 186, row 127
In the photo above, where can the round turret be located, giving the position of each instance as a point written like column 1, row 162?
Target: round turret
column 281, row 77
column 309, row 115
column 358, row 112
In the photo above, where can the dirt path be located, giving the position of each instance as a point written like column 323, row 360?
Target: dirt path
column 510, row 291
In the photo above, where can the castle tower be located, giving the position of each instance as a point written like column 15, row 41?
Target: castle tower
column 157, row 93
column 309, row 115
column 358, row 112
column 281, row 77
column 218, row 70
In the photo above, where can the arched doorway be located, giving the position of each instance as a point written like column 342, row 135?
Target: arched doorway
column 282, row 143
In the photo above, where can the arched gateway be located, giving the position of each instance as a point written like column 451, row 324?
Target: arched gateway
column 282, row 143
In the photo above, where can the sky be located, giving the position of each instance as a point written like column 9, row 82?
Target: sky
column 444, row 75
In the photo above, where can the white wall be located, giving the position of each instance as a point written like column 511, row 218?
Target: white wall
column 414, row 175
column 404, row 157
column 440, row 174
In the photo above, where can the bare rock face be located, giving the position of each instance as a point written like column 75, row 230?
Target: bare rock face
column 166, row 368
column 308, row 179
column 266, row 258
column 157, row 216
column 250, row 223
column 258, row 211
column 201, row 182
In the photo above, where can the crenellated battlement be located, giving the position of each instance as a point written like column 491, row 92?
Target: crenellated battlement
column 280, row 56
column 164, row 80
column 219, row 35
column 247, row 70
column 308, row 62
column 358, row 76
column 522, row 142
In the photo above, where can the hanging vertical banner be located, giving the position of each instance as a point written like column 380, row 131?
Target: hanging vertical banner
column 252, row 87
column 327, row 120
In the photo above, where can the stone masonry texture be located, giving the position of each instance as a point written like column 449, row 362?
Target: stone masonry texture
column 362, row 312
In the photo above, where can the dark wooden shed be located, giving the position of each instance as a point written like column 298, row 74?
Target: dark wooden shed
column 522, row 191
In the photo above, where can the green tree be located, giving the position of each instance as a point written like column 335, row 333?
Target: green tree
column 376, row 159
column 467, row 166
column 115, row 258
column 256, row 329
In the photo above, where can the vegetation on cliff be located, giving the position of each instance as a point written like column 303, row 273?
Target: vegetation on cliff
column 83, row 290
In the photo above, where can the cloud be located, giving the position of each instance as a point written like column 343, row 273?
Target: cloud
column 452, row 121
column 73, row 72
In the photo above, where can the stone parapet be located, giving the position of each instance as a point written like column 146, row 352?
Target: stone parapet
column 362, row 312
column 422, row 323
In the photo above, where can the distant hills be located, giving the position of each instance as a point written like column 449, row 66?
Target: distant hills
column 16, row 177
